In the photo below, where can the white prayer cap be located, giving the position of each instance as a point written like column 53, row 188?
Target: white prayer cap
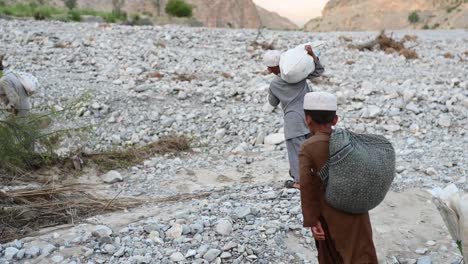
column 272, row 58
column 320, row 101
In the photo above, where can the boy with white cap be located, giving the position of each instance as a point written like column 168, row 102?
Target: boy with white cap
column 291, row 97
column 341, row 238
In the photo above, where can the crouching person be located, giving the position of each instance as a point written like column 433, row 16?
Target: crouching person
column 15, row 90
column 341, row 238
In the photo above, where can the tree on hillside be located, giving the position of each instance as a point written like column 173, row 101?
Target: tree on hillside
column 179, row 8
column 157, row 4
column 70, row 4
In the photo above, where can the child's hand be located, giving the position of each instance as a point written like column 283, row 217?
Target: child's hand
column 318, row 232
column 309, row 50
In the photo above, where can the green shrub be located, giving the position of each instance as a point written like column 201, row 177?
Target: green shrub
column 436, row 25
column 413, row 17
column 70, row 4
column 25, row 143
column 426, row 27
column 74, row 15
column 179, row 8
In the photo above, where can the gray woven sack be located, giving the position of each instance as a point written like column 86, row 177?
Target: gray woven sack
column 359, row 172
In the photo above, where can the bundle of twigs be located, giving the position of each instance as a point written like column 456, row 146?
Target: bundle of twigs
column 27, row 210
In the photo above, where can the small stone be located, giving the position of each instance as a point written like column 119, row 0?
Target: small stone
column 10, row 253
column 421, row 251
column 190, row 253
column 20, row 254
column 413, row 108
column 112, row 177
column 230, row 245
column 109, row 249
column 174, row 232
column 101, row 231
column 120, row 252
column 392, row 128
column 33, row 251
column 177, row 257
column 274, row 139
column 57, row 259
column 220, row 133
column 371, row 111
column 242, row 212
column 211, row 254
column 431, row 243
column 224, row 227
column 430, row 171
column 167, row 121
column 445, row 121
column 425, row 260
column 182, row 95
column 225, row 255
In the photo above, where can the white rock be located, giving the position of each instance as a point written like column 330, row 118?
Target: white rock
column 445, row 121
column 112, row 177
column 101, row 231
column 190, row 253
column 425, row 260
column 224, row 227
column 242, row 212
column 175, row 231
column 10, row 253
column 430, row 171
column 182, row 95
column 211, row 254
column 408, row 94
column 371, row 111
column 413, row 108
column 57, row 259
column 109, row 249
column 274, row 139
column 431, row 243
column 267, row 108
column 225, row 255
column 220, row 133
column 392, row 128
column 367, row 87
column 177, row 257
column 421, row 251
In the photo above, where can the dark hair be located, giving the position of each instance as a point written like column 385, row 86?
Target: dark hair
column 320, row 116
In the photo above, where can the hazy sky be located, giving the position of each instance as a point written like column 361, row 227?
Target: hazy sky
column 298, row 11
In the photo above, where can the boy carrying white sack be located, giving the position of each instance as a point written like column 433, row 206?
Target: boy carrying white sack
column 291, row 97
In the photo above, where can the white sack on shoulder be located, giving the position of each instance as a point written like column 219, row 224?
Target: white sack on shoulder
column 296, row 65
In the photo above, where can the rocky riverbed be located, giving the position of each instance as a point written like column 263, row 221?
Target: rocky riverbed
column 135, row 85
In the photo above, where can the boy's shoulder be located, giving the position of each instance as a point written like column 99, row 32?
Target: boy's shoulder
column 316, row 139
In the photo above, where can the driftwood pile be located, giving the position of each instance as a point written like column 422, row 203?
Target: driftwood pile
column 388, row 45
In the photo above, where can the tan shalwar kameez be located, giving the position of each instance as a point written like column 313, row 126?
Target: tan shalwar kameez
column 348, row 236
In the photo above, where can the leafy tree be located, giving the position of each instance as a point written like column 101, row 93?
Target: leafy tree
column 413, row 18
column 179, row 8
column 70, row 4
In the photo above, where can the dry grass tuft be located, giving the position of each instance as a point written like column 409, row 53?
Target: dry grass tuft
column 184, row 77
column 27, row 210
column 135, row 155
column 449, row 55
column 388, row 45
column 350, row 62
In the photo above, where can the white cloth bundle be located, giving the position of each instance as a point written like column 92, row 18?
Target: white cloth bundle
column 453, row 207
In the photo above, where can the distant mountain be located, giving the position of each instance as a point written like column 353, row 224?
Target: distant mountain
column 274, row 20
column 211, row 13
column 353, row 15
